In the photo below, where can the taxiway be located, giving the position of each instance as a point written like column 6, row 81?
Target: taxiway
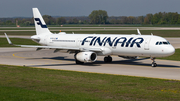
column 63, row 61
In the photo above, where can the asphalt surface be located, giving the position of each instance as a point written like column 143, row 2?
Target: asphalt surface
column 63, row 61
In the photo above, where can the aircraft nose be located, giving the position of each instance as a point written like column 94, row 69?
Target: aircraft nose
column 170, row 50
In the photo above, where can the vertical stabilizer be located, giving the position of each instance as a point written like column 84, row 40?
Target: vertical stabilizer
column 40, row 25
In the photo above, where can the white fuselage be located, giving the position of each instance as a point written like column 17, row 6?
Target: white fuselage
column 122, row 45
column 88, row 46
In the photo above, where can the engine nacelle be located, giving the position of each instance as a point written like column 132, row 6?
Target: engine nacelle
column 86, row 56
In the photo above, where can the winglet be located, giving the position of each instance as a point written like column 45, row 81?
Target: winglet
column 139, row 33
column 9, row 41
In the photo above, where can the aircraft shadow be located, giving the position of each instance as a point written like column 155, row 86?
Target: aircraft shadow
column 135, row 62
column 70, row 64
column 54, row 58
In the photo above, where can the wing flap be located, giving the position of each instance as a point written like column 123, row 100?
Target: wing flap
column 49, row 47
column 62, row 48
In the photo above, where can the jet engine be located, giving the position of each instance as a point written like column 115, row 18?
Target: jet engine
column 86, row 56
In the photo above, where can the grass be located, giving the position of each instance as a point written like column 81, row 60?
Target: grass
column 24, row 33
column 163, row 33
column 175, row 56
column 27, row 84
column 18, row 41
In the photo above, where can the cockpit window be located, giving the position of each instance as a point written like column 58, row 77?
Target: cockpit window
column 165, row 43
column 157, row 43
column 168, row 42
column 162, row 43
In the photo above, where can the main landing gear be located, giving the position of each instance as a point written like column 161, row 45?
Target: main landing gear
column 107, row 59
column 154, row 62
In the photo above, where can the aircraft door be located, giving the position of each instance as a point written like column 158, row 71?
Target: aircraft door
column 78, row 42
column 146, row 45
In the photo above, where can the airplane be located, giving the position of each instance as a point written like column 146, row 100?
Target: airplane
column 86, row 47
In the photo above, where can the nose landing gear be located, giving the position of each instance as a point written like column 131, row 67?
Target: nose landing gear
column 154, row 62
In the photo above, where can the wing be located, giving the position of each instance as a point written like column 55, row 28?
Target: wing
column 62, row 48
column 56, row 47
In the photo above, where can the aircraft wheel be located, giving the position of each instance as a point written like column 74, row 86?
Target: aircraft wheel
column 106, row 59
column 154, row 64
column 109, row 59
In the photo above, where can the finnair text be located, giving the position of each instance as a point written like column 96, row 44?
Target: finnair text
column 125, row 42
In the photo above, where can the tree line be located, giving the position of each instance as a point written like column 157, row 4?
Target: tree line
column 100, row 17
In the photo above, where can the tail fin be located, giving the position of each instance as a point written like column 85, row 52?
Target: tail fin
column 40, row 25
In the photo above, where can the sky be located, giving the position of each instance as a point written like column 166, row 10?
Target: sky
column 23, row 8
